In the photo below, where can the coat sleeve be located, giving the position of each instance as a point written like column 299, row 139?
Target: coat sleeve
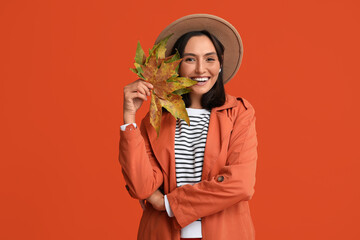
column 234, row 182
column 141, row 171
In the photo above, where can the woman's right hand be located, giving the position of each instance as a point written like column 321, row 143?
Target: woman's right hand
column 135, row 94
column 157, row 200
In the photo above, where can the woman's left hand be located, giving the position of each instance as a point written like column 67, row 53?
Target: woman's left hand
column 157, row 200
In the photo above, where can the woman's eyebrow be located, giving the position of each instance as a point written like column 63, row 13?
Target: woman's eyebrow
column 192, row 54
column 210, row 53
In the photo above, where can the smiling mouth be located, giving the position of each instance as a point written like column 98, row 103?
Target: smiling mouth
column 200, row 79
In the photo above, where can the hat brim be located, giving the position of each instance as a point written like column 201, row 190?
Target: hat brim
column 220, row 28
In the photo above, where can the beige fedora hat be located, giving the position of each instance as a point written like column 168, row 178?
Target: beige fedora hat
column 220, row 28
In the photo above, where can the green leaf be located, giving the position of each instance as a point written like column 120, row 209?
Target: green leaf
column 162, row 47
column 174, row 57
column 159, row 50
column 141, row 76
column 134, row 70
column 138, row 68
column 182, row 91
column 152, row 53
column 140, row 55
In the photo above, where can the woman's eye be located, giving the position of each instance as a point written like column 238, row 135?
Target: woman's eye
column 189, row 59
column 211, row 59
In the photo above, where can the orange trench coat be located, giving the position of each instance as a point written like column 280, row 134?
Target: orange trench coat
column 228, row 176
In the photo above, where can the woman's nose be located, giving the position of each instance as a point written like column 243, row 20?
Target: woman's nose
column 199, row 67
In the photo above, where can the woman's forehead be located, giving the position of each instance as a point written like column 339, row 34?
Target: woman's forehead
column 200, row 45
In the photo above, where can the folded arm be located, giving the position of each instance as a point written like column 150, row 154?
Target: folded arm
column 234, row 182
column 141, row 171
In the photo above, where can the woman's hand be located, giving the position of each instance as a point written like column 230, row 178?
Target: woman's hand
column 135, row 94
column 157, row 201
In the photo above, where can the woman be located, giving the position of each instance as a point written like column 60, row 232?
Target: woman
column 197, row 179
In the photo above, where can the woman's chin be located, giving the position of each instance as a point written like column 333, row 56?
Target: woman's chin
column 202, row 87
column 196, row 91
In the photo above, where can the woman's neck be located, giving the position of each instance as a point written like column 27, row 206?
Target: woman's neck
column 195, row 101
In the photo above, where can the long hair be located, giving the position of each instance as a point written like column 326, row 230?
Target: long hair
column 215, row 97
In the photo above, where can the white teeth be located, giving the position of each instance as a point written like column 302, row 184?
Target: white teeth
column 200, row 79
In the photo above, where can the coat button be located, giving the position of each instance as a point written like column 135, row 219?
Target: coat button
column 127, row 187
column 220, row 178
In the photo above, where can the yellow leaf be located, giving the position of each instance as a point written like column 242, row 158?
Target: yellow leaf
column 162, row 73
column 155, row 113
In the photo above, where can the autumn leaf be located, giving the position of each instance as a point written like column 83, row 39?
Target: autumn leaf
column 162, row 73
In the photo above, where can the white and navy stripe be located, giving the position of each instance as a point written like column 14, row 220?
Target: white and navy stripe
column 190, row 144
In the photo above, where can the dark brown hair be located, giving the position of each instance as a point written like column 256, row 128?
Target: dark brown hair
column 215, row 97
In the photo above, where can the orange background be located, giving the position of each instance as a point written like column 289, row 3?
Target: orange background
column 63, row 66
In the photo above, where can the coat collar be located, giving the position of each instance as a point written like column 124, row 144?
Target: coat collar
column 163, row 146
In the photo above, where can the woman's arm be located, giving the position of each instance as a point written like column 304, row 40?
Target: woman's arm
column 157, row 200
column 141, row 171
column 235, row 181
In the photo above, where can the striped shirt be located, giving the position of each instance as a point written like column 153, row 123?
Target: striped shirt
column 189, row 156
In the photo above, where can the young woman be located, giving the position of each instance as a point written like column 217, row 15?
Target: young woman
column 197, row 180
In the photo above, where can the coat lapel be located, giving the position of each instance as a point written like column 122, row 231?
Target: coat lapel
column 164, row 146
column 220, row 126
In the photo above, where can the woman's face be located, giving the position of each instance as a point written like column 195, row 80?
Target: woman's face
column 200, row 63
